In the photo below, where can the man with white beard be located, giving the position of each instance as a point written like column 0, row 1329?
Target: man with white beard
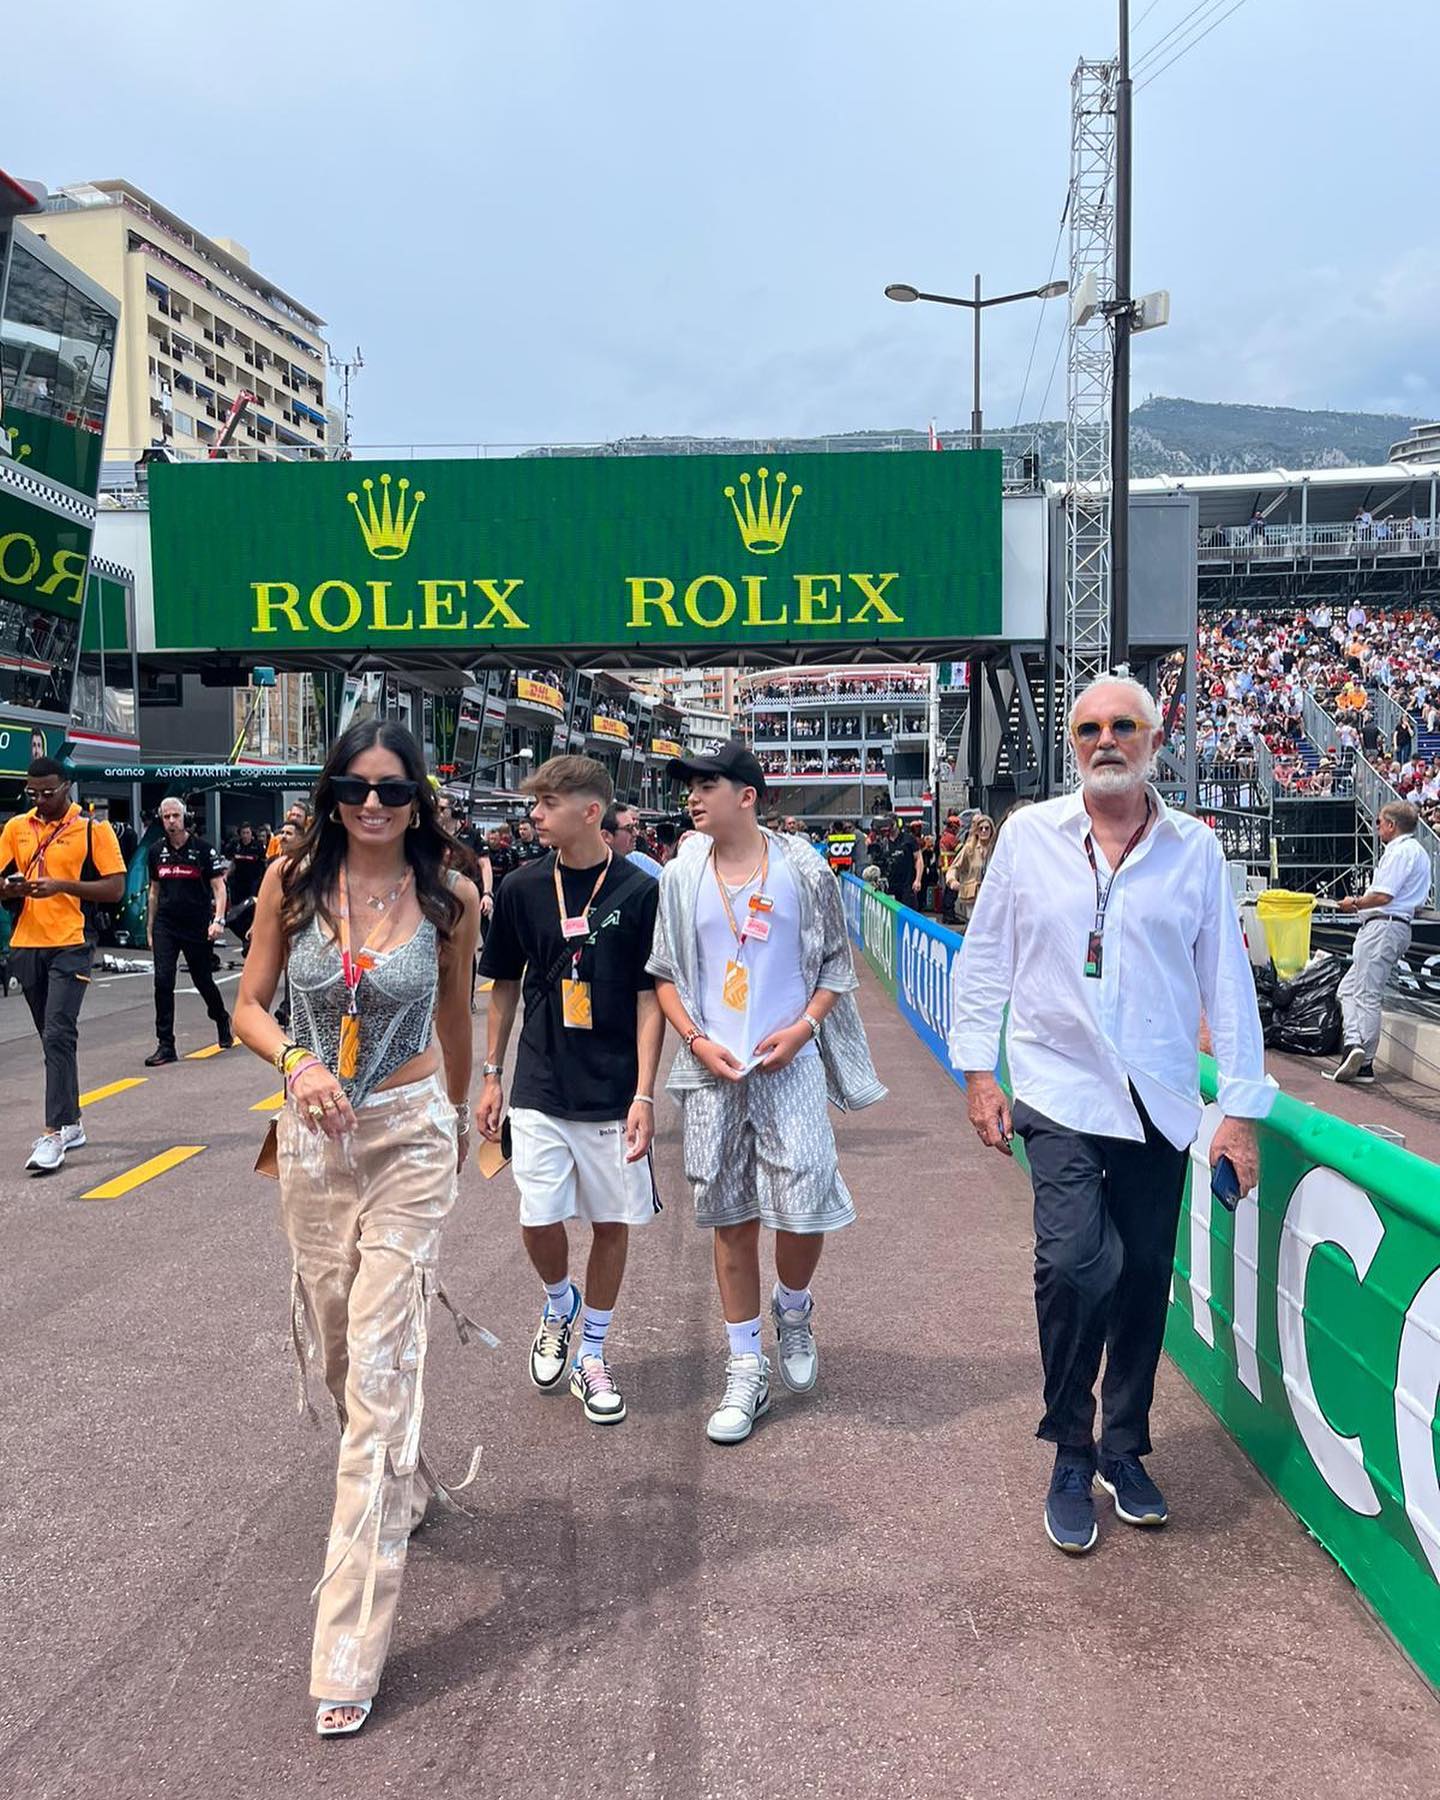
column 1105, row 923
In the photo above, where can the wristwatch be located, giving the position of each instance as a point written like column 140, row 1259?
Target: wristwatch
column 490, row 1068
column 814, row 1025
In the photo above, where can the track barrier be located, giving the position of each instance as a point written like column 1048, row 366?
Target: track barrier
column 1308, row 1320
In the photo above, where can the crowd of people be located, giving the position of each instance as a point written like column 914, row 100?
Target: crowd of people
column 839, row 686
column 1254, row 669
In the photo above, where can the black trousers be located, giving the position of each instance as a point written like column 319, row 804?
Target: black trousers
column 54, row 983
column 1106, row 1214
column 169, row 947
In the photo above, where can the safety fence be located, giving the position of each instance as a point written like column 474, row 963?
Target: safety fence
column 1308, row 1319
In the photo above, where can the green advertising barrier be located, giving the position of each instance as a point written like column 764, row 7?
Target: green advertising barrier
column 524, row 554
column 1309, row 1321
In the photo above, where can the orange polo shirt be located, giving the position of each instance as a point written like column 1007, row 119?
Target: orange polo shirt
column 36, row 848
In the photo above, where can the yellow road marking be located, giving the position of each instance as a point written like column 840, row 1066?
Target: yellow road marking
column 146, row 1171
column 199, row 1055
column 272, row 1104
column 115, row 1087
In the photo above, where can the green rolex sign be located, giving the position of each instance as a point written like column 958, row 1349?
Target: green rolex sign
column 576, row 552
column 43, row 556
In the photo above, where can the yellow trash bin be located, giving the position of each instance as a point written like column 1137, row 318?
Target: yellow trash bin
column 1286, row 919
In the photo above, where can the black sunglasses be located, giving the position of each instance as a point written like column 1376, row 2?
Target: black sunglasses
column 355, row 790
column 1088, row 731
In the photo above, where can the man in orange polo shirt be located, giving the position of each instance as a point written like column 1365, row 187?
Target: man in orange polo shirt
column 54, row 863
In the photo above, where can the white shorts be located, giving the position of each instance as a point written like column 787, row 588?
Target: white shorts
column 576, row 1169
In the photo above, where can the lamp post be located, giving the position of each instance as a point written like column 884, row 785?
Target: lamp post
column 902, row 291
column 523, row 755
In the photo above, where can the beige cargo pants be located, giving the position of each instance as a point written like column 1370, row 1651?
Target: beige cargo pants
column 363, row 1216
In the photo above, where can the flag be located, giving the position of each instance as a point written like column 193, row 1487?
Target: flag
column 935, row 443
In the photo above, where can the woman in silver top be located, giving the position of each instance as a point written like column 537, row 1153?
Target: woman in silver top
column 377, row 937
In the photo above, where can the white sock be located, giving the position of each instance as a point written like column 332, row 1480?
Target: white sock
column 791, row 1299
column 557, row 1298
column 594, row 1323
column 744, row 1337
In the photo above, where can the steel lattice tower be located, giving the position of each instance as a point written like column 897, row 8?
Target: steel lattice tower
column 1084, row 639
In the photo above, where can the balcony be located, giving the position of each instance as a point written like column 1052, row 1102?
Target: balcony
column 534, row 696
column 1245, row 546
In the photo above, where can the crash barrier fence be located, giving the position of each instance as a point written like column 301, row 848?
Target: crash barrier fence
column 1308, row 1319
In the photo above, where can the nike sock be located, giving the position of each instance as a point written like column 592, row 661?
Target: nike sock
column 557, row 1298
column 791, row 1299
column 594, row 1323
column 744, row 1337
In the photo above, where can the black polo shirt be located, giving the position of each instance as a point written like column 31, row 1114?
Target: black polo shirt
column 182, row 875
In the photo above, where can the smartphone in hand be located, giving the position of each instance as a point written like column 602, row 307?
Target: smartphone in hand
column 1225, row 1184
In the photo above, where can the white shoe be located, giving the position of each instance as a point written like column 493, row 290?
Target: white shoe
column 747, row 1398
column 48, row 1154
column 1351, row 1063
column 72, row 1137
column 796, row 1353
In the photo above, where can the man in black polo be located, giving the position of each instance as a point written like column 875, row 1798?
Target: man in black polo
column 186, row 914
column 528, row 847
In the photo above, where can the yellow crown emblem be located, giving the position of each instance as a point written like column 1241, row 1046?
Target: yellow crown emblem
column 386, row 528
column 764, row 520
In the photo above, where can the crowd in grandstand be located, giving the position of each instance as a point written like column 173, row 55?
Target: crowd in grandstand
column 1254, row 669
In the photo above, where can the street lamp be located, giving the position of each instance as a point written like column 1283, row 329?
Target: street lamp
column 903, row 292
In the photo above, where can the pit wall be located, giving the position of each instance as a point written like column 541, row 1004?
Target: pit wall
column 1308, row 1320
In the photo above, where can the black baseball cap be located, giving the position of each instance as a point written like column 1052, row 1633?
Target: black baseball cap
column 733, row 759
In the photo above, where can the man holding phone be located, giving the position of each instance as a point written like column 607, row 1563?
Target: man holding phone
column 53, row 864
column 1106, row 923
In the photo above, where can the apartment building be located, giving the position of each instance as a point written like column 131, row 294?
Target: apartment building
column 707, row 691
column 198, row 327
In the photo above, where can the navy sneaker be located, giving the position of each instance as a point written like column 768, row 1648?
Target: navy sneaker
column 1137, row 1499
column 1069, row 1506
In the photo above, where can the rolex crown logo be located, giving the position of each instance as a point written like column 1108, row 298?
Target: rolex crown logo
column 763, row 519
column 386, row 528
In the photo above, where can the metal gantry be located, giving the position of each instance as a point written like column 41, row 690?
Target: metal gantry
column 1084, row 639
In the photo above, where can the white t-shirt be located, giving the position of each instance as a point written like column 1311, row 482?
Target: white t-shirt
column 777, row 994
column 1403, row 873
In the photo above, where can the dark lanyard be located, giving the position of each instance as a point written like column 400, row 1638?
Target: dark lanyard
column 1095, row 948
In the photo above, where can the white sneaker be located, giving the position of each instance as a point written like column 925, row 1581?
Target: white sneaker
column 48, row 1154
column 747, row 1397
column 72, row 1137
column 796, row 1352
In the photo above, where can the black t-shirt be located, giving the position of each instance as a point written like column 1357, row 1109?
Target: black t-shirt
column 566, row 1073
column 901, row 870
column 1370, row 735
column 247, row 871
column 185, row 904
column 531, row 852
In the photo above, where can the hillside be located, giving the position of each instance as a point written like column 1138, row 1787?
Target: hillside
column 1168, row 437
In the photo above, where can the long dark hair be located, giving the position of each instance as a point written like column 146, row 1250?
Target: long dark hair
column 311, row 872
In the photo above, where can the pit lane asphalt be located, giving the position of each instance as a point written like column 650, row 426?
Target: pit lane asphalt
column 860, row 1601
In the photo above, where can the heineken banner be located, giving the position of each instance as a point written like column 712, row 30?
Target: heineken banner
column 1309, row 1320
column 566, row 552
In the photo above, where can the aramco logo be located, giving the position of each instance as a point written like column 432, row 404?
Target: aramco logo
column 763, row 519
column 386, row 528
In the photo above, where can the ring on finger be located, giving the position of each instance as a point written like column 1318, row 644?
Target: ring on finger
column 315, row 1111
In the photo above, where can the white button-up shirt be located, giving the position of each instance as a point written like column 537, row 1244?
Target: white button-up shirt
column 1172, row 944
column 1403, row 873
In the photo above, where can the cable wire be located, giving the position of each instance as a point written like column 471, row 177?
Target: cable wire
column 1040, row 315
column 1160, row 43
column 1189, row 47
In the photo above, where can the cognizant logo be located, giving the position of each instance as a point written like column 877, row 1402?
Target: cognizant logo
column 924, row 978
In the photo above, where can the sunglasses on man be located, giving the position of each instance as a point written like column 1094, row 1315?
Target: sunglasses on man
column 1088, row 730
column 354, row 790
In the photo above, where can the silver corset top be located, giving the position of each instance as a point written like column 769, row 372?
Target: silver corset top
column 396, row 998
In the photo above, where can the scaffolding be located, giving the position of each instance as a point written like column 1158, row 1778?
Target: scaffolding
column 1084, row 646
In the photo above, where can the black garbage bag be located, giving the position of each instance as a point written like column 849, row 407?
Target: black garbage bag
column 1310, row 1023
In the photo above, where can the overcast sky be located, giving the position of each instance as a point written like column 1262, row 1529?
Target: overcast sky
column 567, row 220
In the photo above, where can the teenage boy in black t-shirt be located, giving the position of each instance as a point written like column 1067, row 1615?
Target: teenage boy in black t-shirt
column 576, row 927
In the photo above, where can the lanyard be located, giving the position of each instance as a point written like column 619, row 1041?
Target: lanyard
column 1102, row 896
column 569, row 924
column 36, row 864
column 761, row 869
column 354, row 963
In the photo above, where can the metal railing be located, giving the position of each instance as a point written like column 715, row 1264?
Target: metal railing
column 1370, row 788
column 1270, row 543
